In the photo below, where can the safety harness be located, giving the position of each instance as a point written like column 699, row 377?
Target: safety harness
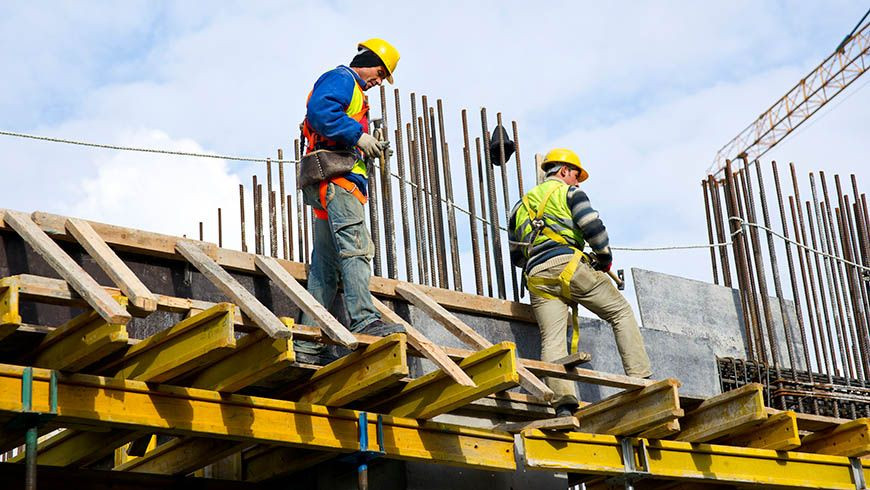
column 344, row 184
column 534, row 284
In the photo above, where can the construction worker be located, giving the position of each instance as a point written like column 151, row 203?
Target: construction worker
column 337, row 119
column 548, row 229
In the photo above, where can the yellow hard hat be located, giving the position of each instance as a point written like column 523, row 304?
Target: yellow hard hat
column 386, row 52
column 566, row 156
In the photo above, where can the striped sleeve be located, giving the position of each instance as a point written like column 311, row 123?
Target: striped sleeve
column 587, row 220
column 515, row 247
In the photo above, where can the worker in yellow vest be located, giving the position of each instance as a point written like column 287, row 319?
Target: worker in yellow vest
column 337, row 120
column 548, row 229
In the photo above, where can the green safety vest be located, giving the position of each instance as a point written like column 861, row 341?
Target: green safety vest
column 547, row 202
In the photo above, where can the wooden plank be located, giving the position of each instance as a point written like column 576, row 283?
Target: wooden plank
column 57, row 291
column 67, row 268
column 467, row 334
column 78, row 448
column 574, row 359
column 778, row 432
column 425, row 347
column 264, row 463
column 10, row 318
column 558, row 423
column 112, row 265
column 256, row 357
column 724, row 414
column 155, row 244
column 851, row 439
column 261, row 315
column 632, row 412
column 305, row 301
column 192, row 343
column 492, row 369
column 357, row 375
column 181, row 456
column 81, row 342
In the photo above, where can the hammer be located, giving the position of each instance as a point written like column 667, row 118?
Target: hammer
column 618, row 276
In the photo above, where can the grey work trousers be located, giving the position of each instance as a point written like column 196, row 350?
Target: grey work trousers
column 596, row 292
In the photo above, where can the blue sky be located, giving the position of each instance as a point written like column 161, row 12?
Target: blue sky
column 645, row 92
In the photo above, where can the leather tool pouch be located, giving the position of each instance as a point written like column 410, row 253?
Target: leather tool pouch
column 323, row 165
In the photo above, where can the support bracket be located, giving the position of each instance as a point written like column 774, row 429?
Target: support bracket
column 632, row 472
column 858, row 473
column 28, row 418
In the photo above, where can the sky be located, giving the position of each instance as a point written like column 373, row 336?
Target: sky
column 645, row 93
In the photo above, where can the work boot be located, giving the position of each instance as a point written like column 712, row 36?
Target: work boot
column 566, row 410
column 323, row 358
column 380, row 329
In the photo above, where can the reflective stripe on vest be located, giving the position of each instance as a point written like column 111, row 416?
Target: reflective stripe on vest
column 547, row 202
column 344, row 184
column 358, row 110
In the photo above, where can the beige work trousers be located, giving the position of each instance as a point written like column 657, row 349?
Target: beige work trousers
column 596, row 292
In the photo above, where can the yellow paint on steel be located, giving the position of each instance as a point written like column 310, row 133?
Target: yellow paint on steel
column 778, row 432
column 135, row 405
column 72, row 447
column 631, row 412
column 9, row 315
column 256, row 357
column 493, row 369
column 851, row 439
column 191, row 343
column 359, row 374
column 723, row 415
column 595, row 454
column 81, row 342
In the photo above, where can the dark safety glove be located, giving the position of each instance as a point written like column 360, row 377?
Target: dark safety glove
column 603, row 260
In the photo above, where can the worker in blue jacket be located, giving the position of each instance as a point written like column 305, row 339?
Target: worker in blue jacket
column 337, row 119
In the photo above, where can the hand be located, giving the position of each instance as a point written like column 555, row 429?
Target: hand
column 603, row 260
column 603, row 266
column 368, row 144
column 385, row 147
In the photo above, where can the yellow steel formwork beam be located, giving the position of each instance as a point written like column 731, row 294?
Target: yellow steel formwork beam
column 596, row 454
column 631, row 412
column 256, row 357
column 81, row 342
column 493, row 369
column 134, row 405
column 9, row 316
column 851, row 439
column 724, row 415
column 191, row 343
column 779, row 432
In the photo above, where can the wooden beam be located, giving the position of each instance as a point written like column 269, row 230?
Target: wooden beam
column 360, row 374
column 778, row 432
column 724, row 415
column 492, row 369
column 112, row 265
column 467, row 334
column 305, row 301
column 155, row 244
column 10, row 318
column 256, row 357
column 261, row 315
column 67, row 268
column 558, row 423
column 632, row 412
column 72, row 447
column 81, row 342
column 264, row 463
column 662, row 431
column 56, row 291
column 192, row 343
column 181, row 456
column 425, row 347
column 851, row 439
column 574, row 359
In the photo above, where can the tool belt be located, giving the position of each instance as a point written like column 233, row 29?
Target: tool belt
column 323, row 165
column 564, row 281
column 344, row 184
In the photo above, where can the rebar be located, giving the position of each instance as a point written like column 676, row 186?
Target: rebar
column 419, row 231
column 242, row 216
column 283, row 203
column 200, row 231
column 423, row 194
column 270, row 200
column 794, row 287
column 710, row 232
column 301, row 212
column 740, row 264
column 809, row 291
column 426, row 183
column 289, row 218
column 858, row 347
column 493, row 209
column 435, row 190
column 472, row 221
column 451, row 212
column 255, row 188
column 387, row 196
column 746, row 243
column 848, row 306
column 220, row 230
column 375, row 230
column 504, row 185
column 720, row 228
column 517, row 159
column 403, row 197
column 483, row 216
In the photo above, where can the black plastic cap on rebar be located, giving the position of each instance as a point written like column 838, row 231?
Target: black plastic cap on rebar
column 499, row 134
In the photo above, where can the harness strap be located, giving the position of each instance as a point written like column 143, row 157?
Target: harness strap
column 564, row 282
column 344, row 184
